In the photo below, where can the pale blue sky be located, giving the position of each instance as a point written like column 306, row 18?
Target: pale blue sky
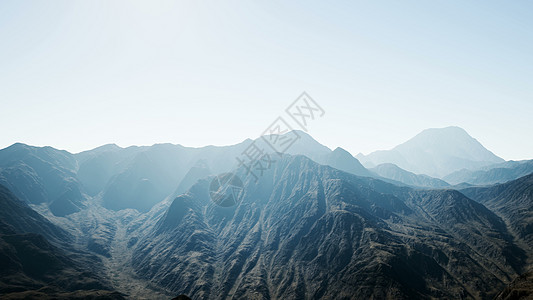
column 76, row 75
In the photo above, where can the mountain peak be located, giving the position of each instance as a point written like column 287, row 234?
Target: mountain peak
column 452, row 140
column 452, row 128
column 436, row 152
column 344, row 161
column 340, row 150
column 301, row 143
column 450, row 133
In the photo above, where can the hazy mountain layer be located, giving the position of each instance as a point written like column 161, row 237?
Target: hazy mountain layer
column 42, row 175
column 392, row 171
column 139, row 177
column 497, row 173
column 435, row 152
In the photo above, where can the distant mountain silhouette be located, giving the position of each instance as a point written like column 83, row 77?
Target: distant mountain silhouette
column 42, row 175
column 304, row 144
column 392, row 171
column 98, row 166
column 435, row 152
column 198, row 171
column 140, row 177
column 344, row 161
column 492, row 174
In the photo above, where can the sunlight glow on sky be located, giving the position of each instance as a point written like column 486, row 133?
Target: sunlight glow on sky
column 78, row 74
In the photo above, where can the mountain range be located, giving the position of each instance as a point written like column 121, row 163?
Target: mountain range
column 439, row 216
column 492, row 174
column 311, row 231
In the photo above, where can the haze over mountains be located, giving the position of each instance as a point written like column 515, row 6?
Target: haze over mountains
column 439, row 216
column 497, row 173
column 435, row 152
column 392, row 171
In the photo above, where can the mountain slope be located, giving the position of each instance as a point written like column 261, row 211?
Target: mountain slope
column 513, row 201
column 134, row 177
column 306, row 230
column 435, row 152
column 99, row 165
column 344, row 161
column 139, row 177
column 21, row 218
column 303, row 143
column 392, row 171
column 198, row 171
column 32, row 267
column 520, row 288
column 42, row 175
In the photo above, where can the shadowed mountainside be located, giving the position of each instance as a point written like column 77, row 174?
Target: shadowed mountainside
column 520, row 289
column 34, row 268
column 513, row 201
column 306, row 230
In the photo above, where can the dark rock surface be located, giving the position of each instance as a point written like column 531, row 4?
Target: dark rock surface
column 520, row 289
